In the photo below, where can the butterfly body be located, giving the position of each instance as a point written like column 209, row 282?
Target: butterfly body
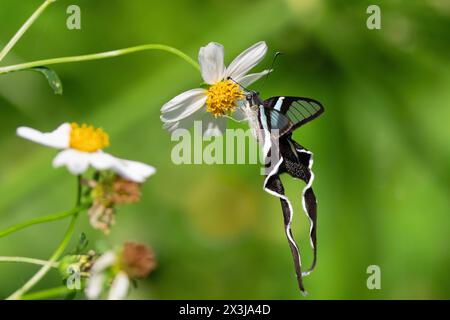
column 273, row 122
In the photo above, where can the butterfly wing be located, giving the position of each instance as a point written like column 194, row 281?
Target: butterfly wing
column 298, row 110
column 271, row 120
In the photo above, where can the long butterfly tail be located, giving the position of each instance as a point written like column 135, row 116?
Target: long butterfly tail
column 309, row 201
column 274, row 186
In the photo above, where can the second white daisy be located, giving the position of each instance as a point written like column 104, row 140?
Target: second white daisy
column 82, row 147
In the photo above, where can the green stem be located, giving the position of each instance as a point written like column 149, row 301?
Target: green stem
column 28, row 260
column 24, row 28
column 43, row 271
column 48, row 218
column 98, row 56
column 55, row 256
column 48, row 293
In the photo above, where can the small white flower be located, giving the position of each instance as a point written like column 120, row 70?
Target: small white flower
column 222, row 96
column 119, row 287
column 82, row 148
column 120, row 283
column 115, row 268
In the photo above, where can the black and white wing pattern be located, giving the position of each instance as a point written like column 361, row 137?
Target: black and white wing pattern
column 286, row 114
column 298, row 110
column 273, row 121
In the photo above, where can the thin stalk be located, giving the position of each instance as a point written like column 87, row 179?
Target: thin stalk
column 55, row 256
column 48, row 293
column 44, row 219
column 98, row 56
column 24, row 28
column 43, row 271
column 28, row 260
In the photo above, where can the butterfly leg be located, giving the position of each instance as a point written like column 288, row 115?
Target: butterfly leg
column 274, row 185
column 301, row 168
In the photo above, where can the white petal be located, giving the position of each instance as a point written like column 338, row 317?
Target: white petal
column 184, row 99
column 76, row 161
column 58, row 138
column 102, row 161
column 215, row 127
column 185, row 123
column 246, row 60
column 171, row 126
column 248, row 79
column 130, row 170
column 119, row 287
column 105, row 261
column 133, row 170
column 211, row 62
column 240, row 114
column 181, row 113
column 94, row 286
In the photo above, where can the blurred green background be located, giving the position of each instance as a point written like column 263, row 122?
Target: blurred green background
column 382, row 148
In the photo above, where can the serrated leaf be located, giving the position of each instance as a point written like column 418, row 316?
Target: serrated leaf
column 52, row 77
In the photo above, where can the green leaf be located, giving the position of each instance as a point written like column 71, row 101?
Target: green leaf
column 52, row 77
column 82, row 243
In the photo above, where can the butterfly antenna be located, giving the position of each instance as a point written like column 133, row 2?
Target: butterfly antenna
column 245, row 89
column 277, row 54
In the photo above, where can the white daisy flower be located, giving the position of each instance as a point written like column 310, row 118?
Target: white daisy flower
column 82, row 148
column 223, row 94
column 114, row 269
column 120, row 283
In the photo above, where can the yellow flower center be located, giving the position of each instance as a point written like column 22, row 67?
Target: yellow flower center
column 222, row 97
column 87, row 138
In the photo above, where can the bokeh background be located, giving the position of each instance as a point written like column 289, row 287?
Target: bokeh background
column 382, row 148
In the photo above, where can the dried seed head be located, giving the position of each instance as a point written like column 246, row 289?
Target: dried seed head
column 125, row 191
column 106, row 193
column 138, row 260
column 101, row 217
